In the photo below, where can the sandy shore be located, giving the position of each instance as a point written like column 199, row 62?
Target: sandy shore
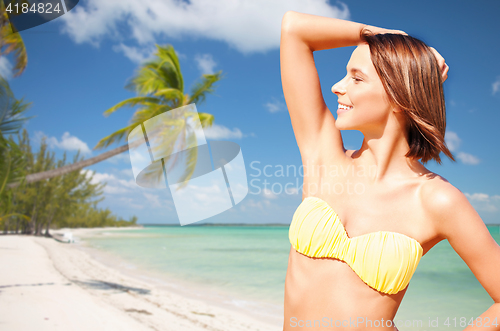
column 47, row 285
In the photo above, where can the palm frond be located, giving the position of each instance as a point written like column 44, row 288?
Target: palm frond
column 114, row 137
column 160, row 88
column 164, row 142
column 171, row 94
column 168, row 56
column 147, row 113
column 158, row 73
column 12, row 42
column 204, row 87
column 131, row 102
column 206, row 119
column 11, row 110
column 146, row 80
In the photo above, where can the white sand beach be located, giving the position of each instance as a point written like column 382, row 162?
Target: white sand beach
column 48, row 285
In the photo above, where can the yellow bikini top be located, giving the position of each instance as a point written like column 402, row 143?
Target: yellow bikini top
column 384, row 260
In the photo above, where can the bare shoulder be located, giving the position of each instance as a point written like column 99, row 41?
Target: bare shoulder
column 438, row 193
column 456, row 220
column 443, row 203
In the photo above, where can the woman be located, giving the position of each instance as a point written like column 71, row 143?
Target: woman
column 368, row 216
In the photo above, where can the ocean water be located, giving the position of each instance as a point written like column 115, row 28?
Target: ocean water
column 249, row 263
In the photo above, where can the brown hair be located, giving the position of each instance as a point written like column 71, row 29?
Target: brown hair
column 412, row 79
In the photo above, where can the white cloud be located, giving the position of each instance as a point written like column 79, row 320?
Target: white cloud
column 131, row 202
column 268, row 194
column 127, row 172
column 153, row 198
column 292, row 190
column 135, row 54
column 114, row 185
column 87, row 172
column 205, row 63
column 452, row 140
column 247, row 25
column 128, row 183
column 67, row 142
column 126, row 193
column 221, row 132
column 110, row 189
column 120, row 158
column 484, row 202
column 100, row 177
column 496, row 86
column 275, row 106
column 478, row 196
column 5, row 68
column 468, row 158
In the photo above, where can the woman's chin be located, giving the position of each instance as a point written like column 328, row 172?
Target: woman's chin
column 339, row 124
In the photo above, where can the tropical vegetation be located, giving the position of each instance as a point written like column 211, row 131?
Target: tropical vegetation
column 38, row 192
column 159, row 85
column 66, row 201
column 11, row 42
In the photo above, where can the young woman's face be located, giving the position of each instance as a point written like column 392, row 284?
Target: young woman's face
column 363, row 102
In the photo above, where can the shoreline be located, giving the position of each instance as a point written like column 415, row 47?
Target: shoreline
column 259, row 309
column 77, row 291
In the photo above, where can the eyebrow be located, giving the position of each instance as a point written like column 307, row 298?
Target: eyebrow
column 357, row 70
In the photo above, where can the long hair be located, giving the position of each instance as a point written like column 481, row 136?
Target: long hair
column 412, row 79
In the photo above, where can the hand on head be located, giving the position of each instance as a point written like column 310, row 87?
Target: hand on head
column 442, row 65
column 377, row 30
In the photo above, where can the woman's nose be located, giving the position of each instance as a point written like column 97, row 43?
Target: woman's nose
column 339, row 88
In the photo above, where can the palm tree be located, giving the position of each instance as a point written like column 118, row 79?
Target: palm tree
column 12, row 160
column 11, row 110
column 11, row 121
column 12, row 163
column 11, row 42
column 160, row 88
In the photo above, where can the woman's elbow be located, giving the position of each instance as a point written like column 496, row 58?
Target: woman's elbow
column 288, row 22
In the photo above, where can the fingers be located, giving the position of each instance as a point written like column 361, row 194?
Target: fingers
column 441, row 63
column 445, row 72
column 396, row 32
column 399, row 32
column 377, row 30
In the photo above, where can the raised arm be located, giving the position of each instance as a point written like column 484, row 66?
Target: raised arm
column 301, row 35
column 312, row 122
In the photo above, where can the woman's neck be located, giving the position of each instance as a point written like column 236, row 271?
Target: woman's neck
column 385, row 153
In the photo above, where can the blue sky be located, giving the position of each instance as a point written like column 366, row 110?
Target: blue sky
column 79, row 63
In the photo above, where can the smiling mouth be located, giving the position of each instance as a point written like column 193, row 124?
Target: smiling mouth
column 343, row 108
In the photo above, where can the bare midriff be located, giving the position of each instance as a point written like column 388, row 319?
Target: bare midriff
column 326, row 294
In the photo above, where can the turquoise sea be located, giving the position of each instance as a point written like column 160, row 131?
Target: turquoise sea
column 248, row 264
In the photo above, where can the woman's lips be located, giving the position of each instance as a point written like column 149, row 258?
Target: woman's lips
column 343, row 108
